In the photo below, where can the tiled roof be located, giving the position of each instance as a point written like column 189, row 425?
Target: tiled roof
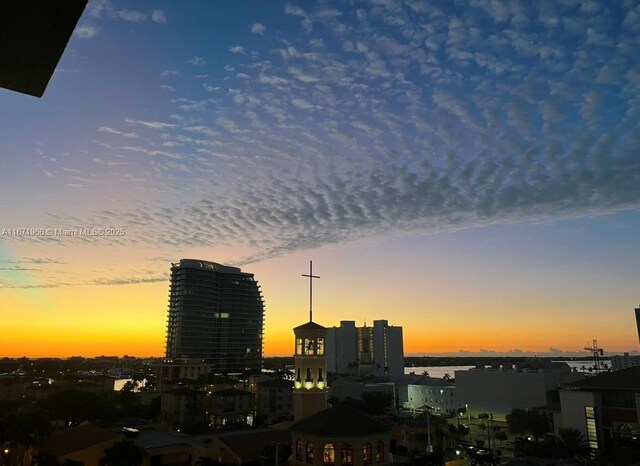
column 310, row 326
column 625, row 379
column 232, row 392
column 250, row 445
column 76, row 438
column 341, row 419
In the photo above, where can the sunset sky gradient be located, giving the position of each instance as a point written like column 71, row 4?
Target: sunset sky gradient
column 468, row 170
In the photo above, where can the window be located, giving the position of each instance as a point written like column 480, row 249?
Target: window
column 320, row 375
column 592, row 426
column 329, row 454
column 380, row 452
column 309, row 347
column 309, row 377
column 320, row 346
column 367, row 453
column 346, row 455
column 310, row 452
column 298, row 345
column 299, row 449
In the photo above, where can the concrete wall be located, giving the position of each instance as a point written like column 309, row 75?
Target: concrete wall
column 498, row 392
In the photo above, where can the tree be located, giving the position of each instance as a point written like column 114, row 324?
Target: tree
column 124, row 453
column 45, row 459
column 573, row 444
column 377, row 403
column 25, row 424
column 500, row 435
column 521, row 421
column 74, row 405
column 453, row 430
column 463, row 430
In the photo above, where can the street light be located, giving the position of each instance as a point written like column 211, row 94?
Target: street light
column 427, row 410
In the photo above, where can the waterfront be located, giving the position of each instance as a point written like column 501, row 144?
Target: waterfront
column 438, row 372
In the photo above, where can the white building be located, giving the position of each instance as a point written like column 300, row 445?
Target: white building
column 439, row 395
column 363, row 350
column 624, row 362
column 500, row 390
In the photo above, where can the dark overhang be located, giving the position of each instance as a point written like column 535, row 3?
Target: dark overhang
column 33, row 35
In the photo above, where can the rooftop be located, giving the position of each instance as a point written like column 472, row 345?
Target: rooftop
column 341, row 419
column 33, row 36
column 76, row 438
column 624, row 379
column 309, row 326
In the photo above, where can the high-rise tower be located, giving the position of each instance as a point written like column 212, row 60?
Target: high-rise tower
column 216, row 313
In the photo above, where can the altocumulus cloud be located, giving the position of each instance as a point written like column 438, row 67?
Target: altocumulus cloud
column 395, row 117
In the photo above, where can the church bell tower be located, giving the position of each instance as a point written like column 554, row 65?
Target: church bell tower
column 310, row 363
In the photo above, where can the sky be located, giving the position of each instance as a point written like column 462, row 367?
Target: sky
column 468, row 170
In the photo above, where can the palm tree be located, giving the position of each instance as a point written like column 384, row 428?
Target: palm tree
column 573, row 444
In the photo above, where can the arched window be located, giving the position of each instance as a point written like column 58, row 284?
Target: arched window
column 367, row 453
column 329, row 454
column 310, row 452
column 346, row 455
column 380, row 452
column 299, row 449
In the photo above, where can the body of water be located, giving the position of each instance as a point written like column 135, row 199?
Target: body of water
column 438, row 372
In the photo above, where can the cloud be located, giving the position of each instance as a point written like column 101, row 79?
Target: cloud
column 258, row 28
column 31, row 260
column 166, row 73
column 131, row 15
column 126, row 281
column 150, row 124
column 389, row 120
column 158, row 16
column 85, row 32
column 106, row 129
column 197, row 61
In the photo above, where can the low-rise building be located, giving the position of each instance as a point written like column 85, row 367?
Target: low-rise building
column 439, row 395
column 231, row 407
column 605, row 408
column 499, row 390
column 274, row 399
column 182, row 406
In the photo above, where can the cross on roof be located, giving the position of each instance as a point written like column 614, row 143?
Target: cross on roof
column 311, row 277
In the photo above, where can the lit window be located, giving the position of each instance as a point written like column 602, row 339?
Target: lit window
column 592, row 426
column 309, row 346
column 299, row 449
column 329, row 454
column 380, row 452
column 310, row 452
column 367, row 453
column 346, row 455
column 320, row 346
